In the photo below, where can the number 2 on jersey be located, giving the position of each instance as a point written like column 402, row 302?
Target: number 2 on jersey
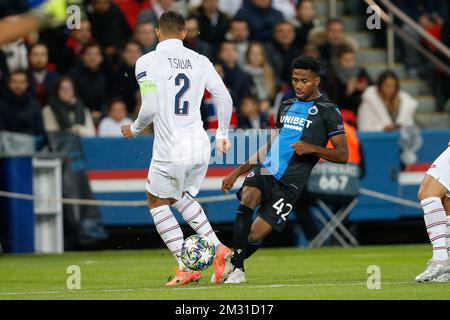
column 182, row 107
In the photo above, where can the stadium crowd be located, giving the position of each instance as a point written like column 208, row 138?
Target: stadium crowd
column 82, row 80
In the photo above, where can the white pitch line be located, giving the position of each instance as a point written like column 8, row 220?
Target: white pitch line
column 202, row 288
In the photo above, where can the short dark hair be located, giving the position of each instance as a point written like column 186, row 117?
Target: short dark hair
column 306, row 63
column 172, row 22
column 90, row 45
column 18, row 71
column 344, row 49
column 334, row 20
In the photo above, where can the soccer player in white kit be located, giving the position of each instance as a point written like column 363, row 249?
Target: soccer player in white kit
column 172, row 82
column 434, row 195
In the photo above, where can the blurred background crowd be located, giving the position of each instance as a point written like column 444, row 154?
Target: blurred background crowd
column 82, row 81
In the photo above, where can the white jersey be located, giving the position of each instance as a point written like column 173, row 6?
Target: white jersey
column 172, row 81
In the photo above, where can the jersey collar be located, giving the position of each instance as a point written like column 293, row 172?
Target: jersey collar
column 169, row 43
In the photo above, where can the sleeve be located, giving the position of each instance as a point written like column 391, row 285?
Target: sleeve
column 278, row 124
column 149, row 98
column 216, row 87
column 333, row 121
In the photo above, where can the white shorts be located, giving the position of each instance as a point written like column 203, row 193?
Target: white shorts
column 440, row 169
column 171, row 179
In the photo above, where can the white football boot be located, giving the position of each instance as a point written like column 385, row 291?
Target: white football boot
column 434, row 269
column 237, row 276
column 442, row 278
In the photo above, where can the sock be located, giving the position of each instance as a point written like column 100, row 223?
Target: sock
column 436, row 223
column 252, row 247
column 194, row 215
column 169, row 230
column 241, row 230
column 447, row 232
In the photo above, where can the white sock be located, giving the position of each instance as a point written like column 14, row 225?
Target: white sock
column 169, row 230
column 447, row 232
column 193, row 214
column 436, row 223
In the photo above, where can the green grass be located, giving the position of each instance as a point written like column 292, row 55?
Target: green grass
column 330, row 273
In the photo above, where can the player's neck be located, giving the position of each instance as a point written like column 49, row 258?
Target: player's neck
column 314, row 96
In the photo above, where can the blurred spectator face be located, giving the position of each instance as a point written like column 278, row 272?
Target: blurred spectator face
column 284, row 34
column 347, row 60
column 192, row 28
column 92, row 58
column 145, row 34
column 310, row 49
column 66, row 91
column 101, row 6
column 18, row 84
column 389, row 88
column 118, row 111
column 131, row 53
column 166, row 5
column 210, row 6
column 335, row 33
column 84, row 34
column 263, row 4
column 249, row 107
column 239, row 30
column 256, row 55
column 306, row 12
column 228, row 53
column 219, row 70
column 38, row 57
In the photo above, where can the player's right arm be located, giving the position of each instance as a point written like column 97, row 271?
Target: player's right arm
column 149, row 98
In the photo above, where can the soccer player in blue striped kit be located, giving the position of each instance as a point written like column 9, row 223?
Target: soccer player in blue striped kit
column 305, row 125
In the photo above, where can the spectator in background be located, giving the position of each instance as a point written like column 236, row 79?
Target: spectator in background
column 66, row 113
column 261, row 18
column 145, row 35
column 385, row 107
column 306, row 21
column 346, row 82
column 123, row 82
column 251, row 116
column 334, row 37
column 286, row 7
column 193, row 41
column 78, row 38
column 109, row 25
column 117, row 116
column 261, row 73
column 89, row 80
column 282, row 50
column 3, row 70
column 236, row 80
column 157, row 8
column 238, row 33
column 42, row 80
column 19, row 112
column 213, row 24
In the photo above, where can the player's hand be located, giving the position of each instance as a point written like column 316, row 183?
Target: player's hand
column 228, row 182
column 126, row 131
column 223, row 145
column 302, row 148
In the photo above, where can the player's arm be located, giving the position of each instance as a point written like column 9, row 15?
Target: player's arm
column 149, row 92
column 218, row 90
column 338, row 154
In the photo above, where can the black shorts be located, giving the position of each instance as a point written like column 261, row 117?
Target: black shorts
column 277, row 199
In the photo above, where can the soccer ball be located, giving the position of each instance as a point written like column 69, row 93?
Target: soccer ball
column 197, row 252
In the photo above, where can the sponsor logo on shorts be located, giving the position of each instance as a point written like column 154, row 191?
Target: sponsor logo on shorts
column 148, row 181
column 251, row 174
column 433, row 166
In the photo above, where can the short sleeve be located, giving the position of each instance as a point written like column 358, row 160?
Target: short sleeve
column 278, row 124
column 333, row 121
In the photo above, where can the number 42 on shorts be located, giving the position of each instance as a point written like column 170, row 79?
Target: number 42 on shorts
column 279, row 206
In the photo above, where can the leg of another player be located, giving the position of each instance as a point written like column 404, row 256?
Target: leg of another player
column 195, row 216
column 446, row 276
column 169, row 230
column 430, row 194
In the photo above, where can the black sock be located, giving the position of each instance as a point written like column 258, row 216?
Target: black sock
column 252, row 248
column 241, row 230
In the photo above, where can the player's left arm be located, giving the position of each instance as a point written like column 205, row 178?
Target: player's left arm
column 149, row 91
column 334, row 126
column 338, row 154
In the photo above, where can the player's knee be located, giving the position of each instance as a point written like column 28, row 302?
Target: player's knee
column 255, row 237
column 250, row 199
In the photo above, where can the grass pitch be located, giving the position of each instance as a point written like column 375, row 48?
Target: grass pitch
column 330, row 273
